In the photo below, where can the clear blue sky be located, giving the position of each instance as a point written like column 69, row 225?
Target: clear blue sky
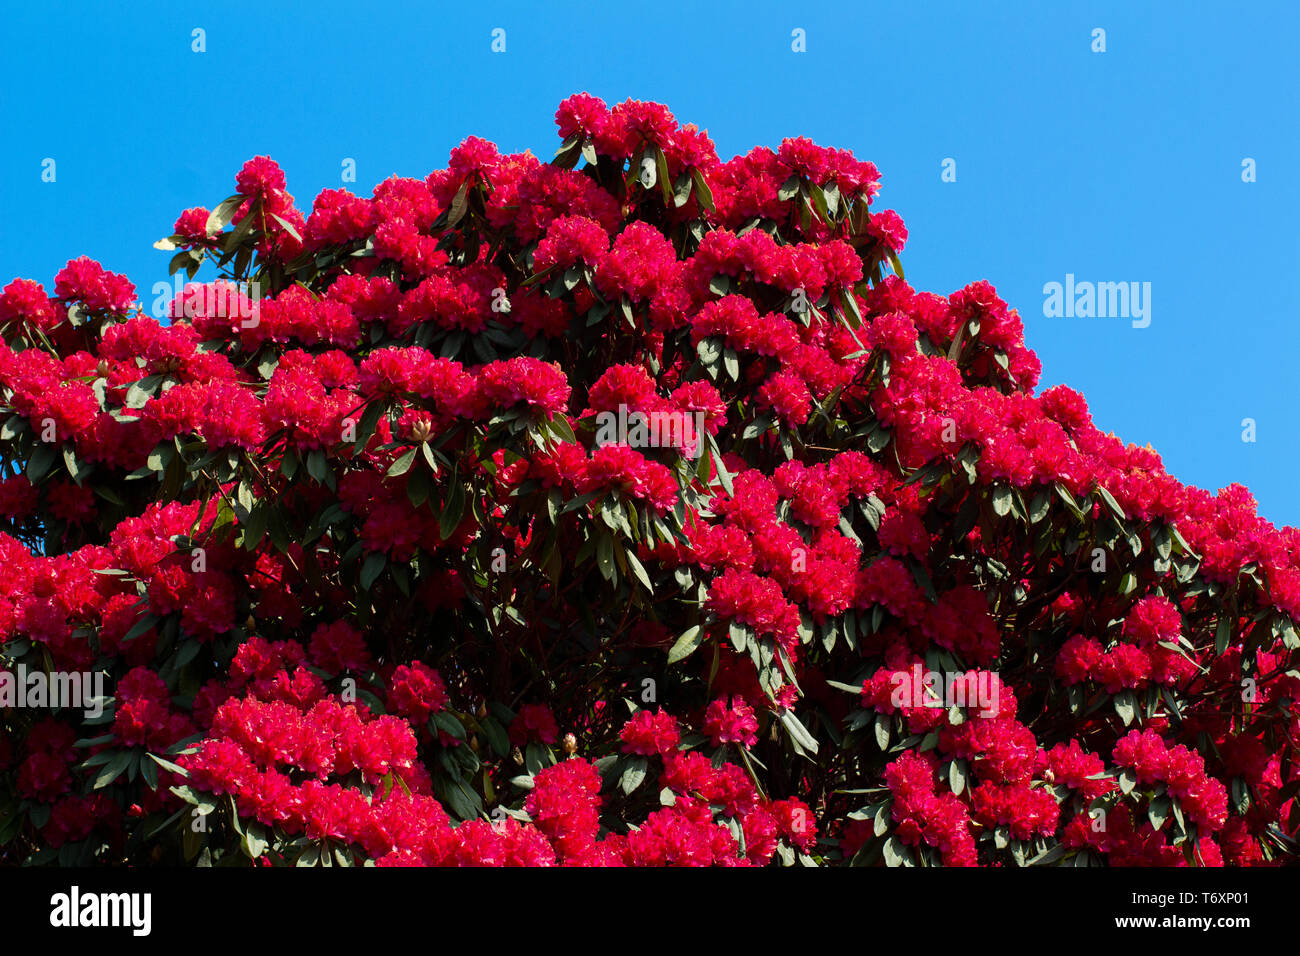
column 1116, row 166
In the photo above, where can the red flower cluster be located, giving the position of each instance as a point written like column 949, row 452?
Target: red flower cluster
column 352, row 545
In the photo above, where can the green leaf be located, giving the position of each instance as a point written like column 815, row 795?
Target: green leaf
column 661, row 171
column 818, row 197
column 724, row 476
column 366, row 426
column 374, row 564
column 847, row 688
column 1127, row 781
column 567, row 155
column 149, row 771
column 168, row 822
column 896, row 263
column 220, row 217
column 638, row 569
column 182, row 259
column 43, row 456
column 1050, row 855
column 1222, row 634
column 1002, row 501
column 755, row 428
column 709, row 350
column 882, row 731
column 1126, row 706
column 141, row 626
column 1240, row 796
column 831, row 195
column 418, row 485
column 255, row 527
column 288, row 227
column 76, row 468
column 686, row 644
column 403, row 464
column 896, row 853
column 1068, row 498
column 317, row 466
column 168, row 765
column 453, row 510
column 798, row 732
column 448, row 724
column 237, row 236
column 633, row 774
column 731, row 362
column 739, row 635
column 186, row 794
column 878, row 815
column 682, row 190
column 113, row 769
column 1163, row 542
column 1158, row 812
column 496, row 735
column 309, row 857
column 14, row 426
column 560, row 426
column 957, row 776
column 703, row 194
column 605, row 557
column 459, row 205
column 1111, row 503
column 254, row 841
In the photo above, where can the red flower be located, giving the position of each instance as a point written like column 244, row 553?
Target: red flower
column 416, row 691
column 85, row 281
column 260, row 177
column 534, row 722
column 339, row 647
column 650, row 734
column 734, row 724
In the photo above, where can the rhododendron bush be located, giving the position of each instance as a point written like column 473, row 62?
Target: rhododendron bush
column 368, row 582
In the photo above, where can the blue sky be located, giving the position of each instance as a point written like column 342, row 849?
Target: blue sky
column 1122, row 166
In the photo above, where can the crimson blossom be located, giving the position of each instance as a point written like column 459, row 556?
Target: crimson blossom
column 367, row 588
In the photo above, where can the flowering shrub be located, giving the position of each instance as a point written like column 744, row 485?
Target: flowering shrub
column 368, row 586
